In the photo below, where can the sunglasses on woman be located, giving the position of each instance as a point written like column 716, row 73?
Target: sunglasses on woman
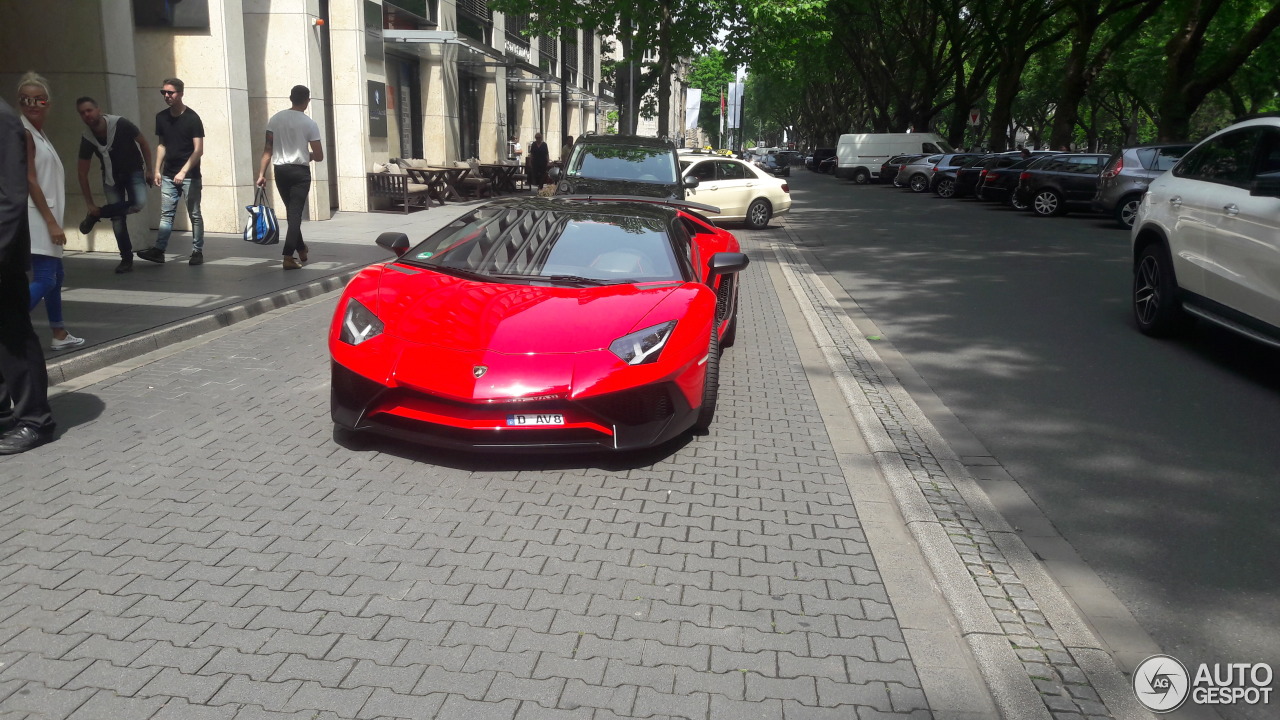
column 34, row 101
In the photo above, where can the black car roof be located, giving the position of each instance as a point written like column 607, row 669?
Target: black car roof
column 632, row 140
column 655, row 209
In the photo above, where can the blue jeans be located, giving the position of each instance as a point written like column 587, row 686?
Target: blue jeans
column 127, row 196
column 169, row 196
column 46, row 284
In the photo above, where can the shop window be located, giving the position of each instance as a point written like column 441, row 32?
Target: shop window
column 475, row 20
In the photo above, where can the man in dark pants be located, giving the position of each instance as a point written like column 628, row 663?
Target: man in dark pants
column 25, row 418
column 293, row 142
column 125, row 155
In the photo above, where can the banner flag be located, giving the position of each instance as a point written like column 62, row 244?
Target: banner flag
column 692, row 106
column 735, row 104
column 722, row 113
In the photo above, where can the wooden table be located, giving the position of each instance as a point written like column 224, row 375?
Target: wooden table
column 503, row 176
column 448, row 182
column 433, row 178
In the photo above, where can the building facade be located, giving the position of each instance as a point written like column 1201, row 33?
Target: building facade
column 443, row 80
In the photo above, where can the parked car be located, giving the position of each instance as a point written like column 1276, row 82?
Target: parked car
column 539, row 323
column 622, row 165
column 915, row 174
column 1127, row 175
column 969, row 178
column 942, row 181
column 741, row 191
column 862, row 154
column 1206, row 241
column 1001, row 180
column 1060, row 183
column 889, row 170
column 822, row 160
column 772, row 165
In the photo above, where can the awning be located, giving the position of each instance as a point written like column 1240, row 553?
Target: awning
column 475, row 52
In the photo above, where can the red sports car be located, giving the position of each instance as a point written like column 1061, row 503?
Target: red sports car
column 530, row 323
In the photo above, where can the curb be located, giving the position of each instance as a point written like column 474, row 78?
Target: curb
column 929, row 510
column 133, row 346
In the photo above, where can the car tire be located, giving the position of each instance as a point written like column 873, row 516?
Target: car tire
column 918, row 183
column 1127, row 210
column 1156, row 309
column 350, row 439
column 758, row 214
column 1017, row 204
column 946, row 188
column 1047, row 203
column 710, row 389
column 861, row 177
column 731, row 332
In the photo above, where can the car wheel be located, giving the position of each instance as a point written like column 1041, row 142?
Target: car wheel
column 710, row 389
column 1127, row 211
column 1047, row 203
column 1017, row 204
column 861, row 177
column 731, row 332
column 1155, row 303
column 919, row 183
column 946, row 188
column 758, row 214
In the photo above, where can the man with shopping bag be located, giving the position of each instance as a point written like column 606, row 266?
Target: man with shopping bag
column 292, row 144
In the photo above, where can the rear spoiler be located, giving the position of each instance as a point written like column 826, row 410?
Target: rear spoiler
column 641, row 199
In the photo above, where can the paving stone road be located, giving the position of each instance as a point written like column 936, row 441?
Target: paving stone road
column 198, row 546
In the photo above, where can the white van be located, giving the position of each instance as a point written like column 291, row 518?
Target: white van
column 859, row 156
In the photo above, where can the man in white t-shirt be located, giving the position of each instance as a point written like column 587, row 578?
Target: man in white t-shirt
column 293, row 143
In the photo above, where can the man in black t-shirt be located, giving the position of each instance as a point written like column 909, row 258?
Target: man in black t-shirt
column 125, row 155
column 177, row 171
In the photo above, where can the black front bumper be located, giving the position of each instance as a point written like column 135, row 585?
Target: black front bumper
column 640, row 418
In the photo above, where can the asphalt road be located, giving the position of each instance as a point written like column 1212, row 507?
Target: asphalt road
column 1157, row 460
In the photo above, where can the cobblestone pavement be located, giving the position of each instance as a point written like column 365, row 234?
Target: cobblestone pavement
column 197, row 546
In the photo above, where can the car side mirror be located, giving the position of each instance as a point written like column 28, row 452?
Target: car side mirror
column 554, row 174
column 1268, row 186
column 689, row 182
column 727, row 263
column 396, row 242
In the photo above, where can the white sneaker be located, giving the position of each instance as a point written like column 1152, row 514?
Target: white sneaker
column 69, row 341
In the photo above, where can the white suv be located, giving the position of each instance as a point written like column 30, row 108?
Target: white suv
column 1206, row 241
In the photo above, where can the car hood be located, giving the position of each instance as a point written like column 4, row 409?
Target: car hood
column 457, row 314
column 595, row 186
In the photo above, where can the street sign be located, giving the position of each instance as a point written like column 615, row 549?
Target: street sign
column 975, row 115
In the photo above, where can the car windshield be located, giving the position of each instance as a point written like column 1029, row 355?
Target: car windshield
column 504, row 244
column 622, row 162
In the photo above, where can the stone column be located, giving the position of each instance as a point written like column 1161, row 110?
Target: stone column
column 282, row 49
column 356, row 151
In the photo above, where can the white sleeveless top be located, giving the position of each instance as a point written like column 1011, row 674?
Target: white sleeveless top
column 53, row 181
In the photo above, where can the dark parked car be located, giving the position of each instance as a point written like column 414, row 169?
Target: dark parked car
column 1060, row 183
column 623, row 165
column 822, row 160
column 774, row 166
column 970, row 177
column 1127, row 175
column 790, row 157
column 943, row 179
column 1002, row 178
column 889, row 170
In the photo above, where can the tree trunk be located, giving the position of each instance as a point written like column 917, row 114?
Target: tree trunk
column 664, row 71
column 1074, row 85
column 1007, row 86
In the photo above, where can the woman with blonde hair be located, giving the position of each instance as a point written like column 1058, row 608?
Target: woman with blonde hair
column 47, row 187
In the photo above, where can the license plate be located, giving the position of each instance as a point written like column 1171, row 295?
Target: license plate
column 527, row 420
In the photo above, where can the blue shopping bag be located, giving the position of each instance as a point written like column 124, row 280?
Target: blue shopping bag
column 262, row 227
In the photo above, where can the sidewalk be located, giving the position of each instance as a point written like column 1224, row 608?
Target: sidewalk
column 123, row 316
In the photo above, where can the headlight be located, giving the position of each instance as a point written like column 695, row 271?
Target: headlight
column 359, row 324
column 642, row 346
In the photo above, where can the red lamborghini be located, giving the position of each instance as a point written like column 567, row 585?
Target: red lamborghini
column 531, row 323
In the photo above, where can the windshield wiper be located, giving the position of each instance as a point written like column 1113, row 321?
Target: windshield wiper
column 459, row 272
column 557, row 279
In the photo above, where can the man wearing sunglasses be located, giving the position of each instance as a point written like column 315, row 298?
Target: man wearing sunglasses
column 177, row 171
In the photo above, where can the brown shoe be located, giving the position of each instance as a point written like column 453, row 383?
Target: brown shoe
column 302, row 255
column 291, row 264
